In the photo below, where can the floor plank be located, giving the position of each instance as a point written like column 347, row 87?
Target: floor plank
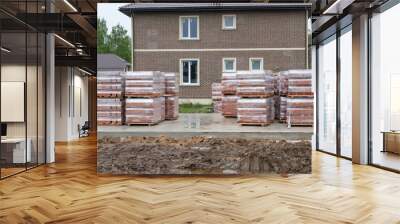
column 70, row 191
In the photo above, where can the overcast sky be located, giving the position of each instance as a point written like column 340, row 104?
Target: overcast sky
column 113, row 17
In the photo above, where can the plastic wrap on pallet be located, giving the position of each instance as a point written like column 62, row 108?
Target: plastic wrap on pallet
column 256, row 111
column 171, row 84
column 255, row 84
column 300, row 91
column 171, row 107
column 216, row 91
column 109, row 86
column 144, row 110
column 144, row 84
column 229, row 83
column 109, row 117
column 217, row 106
column 109, row 73
column 282, row 108
column 300, row 82
column 109, row 104
column 300, row 111
column 283, row 83
column 300, row 74
column 229, row 106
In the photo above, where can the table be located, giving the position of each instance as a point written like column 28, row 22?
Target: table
column 391, row 141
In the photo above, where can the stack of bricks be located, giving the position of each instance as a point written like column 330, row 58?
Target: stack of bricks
column 300, row 102
column 171, row 96
column 216, row 95
column 145, row 101
column 109, row 98
column 229, row 98
column 256, row 90
column 282, row 91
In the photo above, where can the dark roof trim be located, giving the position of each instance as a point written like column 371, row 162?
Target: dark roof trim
column 206, row 7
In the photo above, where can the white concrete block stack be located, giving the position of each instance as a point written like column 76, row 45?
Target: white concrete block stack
column 300, row 102
column 253, row 111
column 109, row 98
column 171, row 96
column 256, row 90
column 255, row 84
column 109, row 111
column 147, row 111
column 145, row 101
column 216, row 95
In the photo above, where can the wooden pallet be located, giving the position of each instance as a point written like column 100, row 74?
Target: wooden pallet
column 257, row 96
column 127, row 96
column 255, row 124
column 170, row 95
column 109, row 123
column 118, row 96
column 301, row 125
column 142, row 124
column 230, row 116
column 300, row 96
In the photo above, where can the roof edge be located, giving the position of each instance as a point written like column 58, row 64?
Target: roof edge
column 141, row 7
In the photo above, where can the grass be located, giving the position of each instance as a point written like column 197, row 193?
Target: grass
column 195, row 108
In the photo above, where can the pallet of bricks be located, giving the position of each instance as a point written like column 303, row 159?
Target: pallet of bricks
column 144, row 98
column 300, row 101
column 216, row 95
column 256, row 90
column 171, row 96
column 229, row 100
column 282, row 92
column 109, row 98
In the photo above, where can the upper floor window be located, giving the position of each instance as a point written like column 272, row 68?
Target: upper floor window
column 189, row 27
column 256, row 64
column 229, row 64
column 229, row 22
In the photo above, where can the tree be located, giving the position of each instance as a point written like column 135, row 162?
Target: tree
column 102, row 46
column 117, row 42
column 120, row 42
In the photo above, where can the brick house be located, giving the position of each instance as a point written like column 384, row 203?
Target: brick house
column 201, row 40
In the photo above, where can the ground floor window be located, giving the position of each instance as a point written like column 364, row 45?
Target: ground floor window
column 256, row 64
column 229, row 64
column 189, row 71
column 385, row 89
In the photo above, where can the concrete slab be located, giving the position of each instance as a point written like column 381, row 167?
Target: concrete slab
column 212, row 124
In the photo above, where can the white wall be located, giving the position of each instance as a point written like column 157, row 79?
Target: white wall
column 71, row 102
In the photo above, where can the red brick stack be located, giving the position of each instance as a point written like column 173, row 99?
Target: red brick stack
column 171, row 96
column 283, row 91
column 256, row 90
column 300, row 102
column 253, row 111
column 109, row 96
column 145, row 103
column 216, row 95
column 144, row 110
column 255, row 84
column 229, row 98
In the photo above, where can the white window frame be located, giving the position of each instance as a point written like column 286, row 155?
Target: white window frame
column 228, row 27
column 261, row 64
column 181, row 29
column 181, row 71
column 223, row 64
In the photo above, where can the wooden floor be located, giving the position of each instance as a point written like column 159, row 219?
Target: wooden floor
column 70, row 191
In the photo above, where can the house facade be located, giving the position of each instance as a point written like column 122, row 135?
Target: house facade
column 201, row 41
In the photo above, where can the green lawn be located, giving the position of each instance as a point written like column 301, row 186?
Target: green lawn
column 195, row 108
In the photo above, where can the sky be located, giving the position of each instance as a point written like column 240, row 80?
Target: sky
column 113, row 17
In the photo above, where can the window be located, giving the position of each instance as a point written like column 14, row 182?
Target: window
column 256, row 64
column 229, row 64
column 189, row 70
column 229, row 22
column 189, row 28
